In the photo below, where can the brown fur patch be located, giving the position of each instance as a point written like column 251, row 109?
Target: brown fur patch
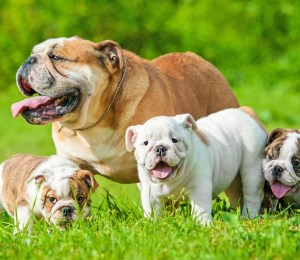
column 80, row 188
column 172, row 84
column 16, row 171
column 275, row 141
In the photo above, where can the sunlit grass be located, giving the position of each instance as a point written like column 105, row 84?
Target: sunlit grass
column 117, row 230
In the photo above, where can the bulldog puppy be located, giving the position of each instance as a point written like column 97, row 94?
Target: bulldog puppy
column 92, row 92
column 281, row 165
column 50, row 187
column 203, row 157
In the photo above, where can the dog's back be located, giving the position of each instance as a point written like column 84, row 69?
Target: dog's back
column 15, row 171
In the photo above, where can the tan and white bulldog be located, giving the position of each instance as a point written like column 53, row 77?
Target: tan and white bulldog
column 92, row 92
column 281, row 166
column 50, row 187
column 203, row 158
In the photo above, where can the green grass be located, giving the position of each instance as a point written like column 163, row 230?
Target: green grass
column 117, row 230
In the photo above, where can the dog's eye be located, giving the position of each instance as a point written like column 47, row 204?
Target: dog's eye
column 145, row 143
column 52, row 199
column 80, row 199
column 295, row 163
column 270, row 157
column 54, row 57
column 174, row 140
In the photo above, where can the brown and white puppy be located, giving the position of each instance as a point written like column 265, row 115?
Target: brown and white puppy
column 50, row 187
column 281, row 165
column 92, row 92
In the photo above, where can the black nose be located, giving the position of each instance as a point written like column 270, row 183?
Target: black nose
column 277, row 170
column 32, row 60
column 67, row 211
column 160, row 150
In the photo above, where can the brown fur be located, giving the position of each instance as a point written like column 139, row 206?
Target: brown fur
column 172, row 84
column 275, row 140
column 16, row 171
column 78, row 187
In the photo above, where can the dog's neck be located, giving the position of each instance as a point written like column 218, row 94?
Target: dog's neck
column 109, row 106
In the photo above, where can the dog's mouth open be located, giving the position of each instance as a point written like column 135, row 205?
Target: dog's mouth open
column 162, row 171
column 279, row 189
column 41, row 109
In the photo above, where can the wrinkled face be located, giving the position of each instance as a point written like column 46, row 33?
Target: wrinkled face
column 64, row 200
column 282, row 163
column 161, row 147
column 61, row 75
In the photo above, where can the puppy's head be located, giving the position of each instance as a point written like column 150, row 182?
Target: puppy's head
column 161, row 144
column 281, row 163
column 65, row 77
column 65, row 195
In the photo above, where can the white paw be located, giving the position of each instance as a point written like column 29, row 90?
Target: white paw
column 205, row 220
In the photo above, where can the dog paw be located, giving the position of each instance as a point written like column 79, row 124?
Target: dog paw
column 204, row 220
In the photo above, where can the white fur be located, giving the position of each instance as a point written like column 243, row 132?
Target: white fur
column 288, row 177
column 235, row 145
column 57, row 171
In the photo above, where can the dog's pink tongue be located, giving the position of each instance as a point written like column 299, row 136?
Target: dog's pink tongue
column 161, row 170
column 33, row 102
column 279, row 189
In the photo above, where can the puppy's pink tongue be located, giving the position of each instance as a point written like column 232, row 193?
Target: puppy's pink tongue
column 279, row 189
column 161, row 170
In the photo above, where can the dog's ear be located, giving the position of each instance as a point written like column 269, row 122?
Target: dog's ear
column 38, row 179
column 111, row 55
column 187, row 121
column 89, row 178
column 275, row 134
column 130, row 137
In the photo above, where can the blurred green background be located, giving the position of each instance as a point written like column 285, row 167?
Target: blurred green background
column 255, row 44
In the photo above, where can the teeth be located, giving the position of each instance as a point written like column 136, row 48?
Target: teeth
column 59, row 101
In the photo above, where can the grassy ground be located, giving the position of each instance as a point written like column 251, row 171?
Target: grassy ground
column 117, row 229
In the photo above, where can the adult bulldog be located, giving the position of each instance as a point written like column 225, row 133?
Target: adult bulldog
column 92, row 92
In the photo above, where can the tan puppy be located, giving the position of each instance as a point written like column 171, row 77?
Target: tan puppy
column 94, row 91
column 50, row 187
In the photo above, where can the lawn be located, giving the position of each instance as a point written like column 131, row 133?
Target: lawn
column 254, row 43
column 117, row 228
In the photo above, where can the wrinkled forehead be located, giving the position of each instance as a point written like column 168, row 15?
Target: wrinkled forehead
column 74, row 49
column 50, row 44
column 161, row 127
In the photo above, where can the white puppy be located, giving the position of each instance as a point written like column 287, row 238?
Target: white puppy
column 50, row 187
column 204, row 157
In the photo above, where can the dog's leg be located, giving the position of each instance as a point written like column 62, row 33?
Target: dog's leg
column 253, row 183
column 22, row 218
column 152, row 205
column 201, row 202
